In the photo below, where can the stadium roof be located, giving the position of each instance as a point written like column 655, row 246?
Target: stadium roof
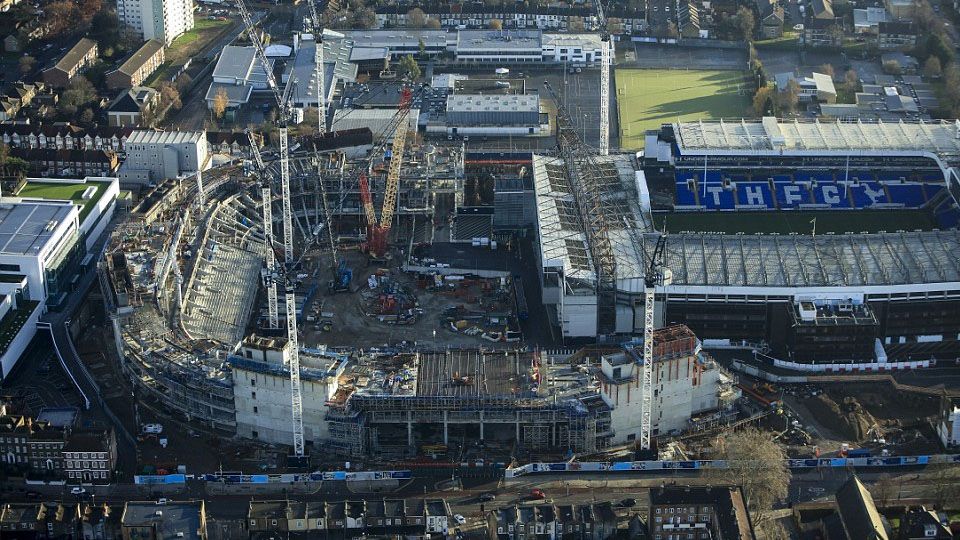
column 712, row 262
column 773, row 135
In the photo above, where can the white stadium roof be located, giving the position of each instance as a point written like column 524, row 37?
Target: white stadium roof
column 773, row 135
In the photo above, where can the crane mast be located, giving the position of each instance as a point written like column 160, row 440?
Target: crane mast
column 293, row 363
column 269, row 256
column 606, row 59
column 655, row 276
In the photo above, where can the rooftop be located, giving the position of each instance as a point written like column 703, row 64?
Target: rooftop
column 27, row 227
column 151, row 136
column 73, row 56
column 138, row 58
column 733, row 520
column 37, row 188
column 771, row 135
column 493, row 103
column 171, row 520
column 499, row 41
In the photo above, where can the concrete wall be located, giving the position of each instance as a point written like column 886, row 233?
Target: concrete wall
column 272, row 419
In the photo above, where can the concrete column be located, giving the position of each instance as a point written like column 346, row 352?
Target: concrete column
column 445, row 428
column 410, row 428
column 481, row 425
column 117, row 337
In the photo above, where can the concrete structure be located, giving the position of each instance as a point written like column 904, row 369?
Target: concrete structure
column 402, row 42
column 499, row 46
column 948, row 427
column 337, row 68
column 262, row 390
column 693, row 391
column 572, row 49
column 72, row 63
column 153, row 156
column 817, row 87
column 140, row 65
column 150, row 521
column 163, row 20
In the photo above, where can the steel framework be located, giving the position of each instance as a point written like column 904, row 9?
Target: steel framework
column 584, row 173
column 606, row 59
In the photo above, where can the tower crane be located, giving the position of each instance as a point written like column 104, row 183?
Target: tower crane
column 656, row 276
column 285, row 273
column 379, row 230
column 269, row 255
column 606, row 59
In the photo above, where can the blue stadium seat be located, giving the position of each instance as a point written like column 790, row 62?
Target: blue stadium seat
column 863, row 176
column 931, row 176
column 894, row 176
column 684, row 175
column 832, row 194
column 685, row 196
column 739, row 178
column 932, row 189
column 814, row 176
column 782, row 178
column 790, row 195
column 713, row 177
column 867, row 194
column 718, row 198
column 755, row 194
column 909, row 195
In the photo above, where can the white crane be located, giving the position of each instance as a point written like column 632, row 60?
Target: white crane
column 606, row 59
column 269, row 257
column 293, row 360
column 656, row 276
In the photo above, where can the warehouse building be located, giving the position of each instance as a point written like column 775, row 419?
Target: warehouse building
column 494, row 115
column 153, row 156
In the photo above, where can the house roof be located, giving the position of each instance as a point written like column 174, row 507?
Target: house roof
column 236, row 93
column 132, row 100
column 140, row 57
column 822, row 7
column 858, row 511
column 897, row 27
column 73, row 56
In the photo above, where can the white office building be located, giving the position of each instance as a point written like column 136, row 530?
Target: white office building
column 153, row 156
column 45, row 235
column 162, row 20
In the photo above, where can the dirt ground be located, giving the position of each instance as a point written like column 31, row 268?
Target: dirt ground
column 351, row 326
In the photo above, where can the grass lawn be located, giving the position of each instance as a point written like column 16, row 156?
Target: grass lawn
column 837, row 222
column 649, row 97
column 187, row 46
column 789, row 40
column 67, row 192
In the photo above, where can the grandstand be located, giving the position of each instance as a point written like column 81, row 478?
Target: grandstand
column 777, row 233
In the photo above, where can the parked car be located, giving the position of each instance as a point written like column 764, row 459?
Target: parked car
column 486, row 497
column 628, row 503
column 78, row 491
column 460, row 519
column 153, row 428
column 537, row 494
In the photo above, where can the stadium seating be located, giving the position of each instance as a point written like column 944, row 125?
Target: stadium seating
column 685, row 195
column 932, row 176
column 755, row 195
column 894, row 176
column 718, row 198
column 790, row 195
column 867, row 194
column 830, row 193
column 909, row 195
column 932, row 190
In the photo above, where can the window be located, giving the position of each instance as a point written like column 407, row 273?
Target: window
column 9, row 267
column 658, row 510
column 254, row 434
column 253, row 395
column 255, row 410
column 273, row 522
column 253, row 382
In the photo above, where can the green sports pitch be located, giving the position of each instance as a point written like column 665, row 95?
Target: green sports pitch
column 647, row 98
column 837, row 222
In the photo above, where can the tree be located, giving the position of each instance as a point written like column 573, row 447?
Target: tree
column 667, row 30
column 745, row 23
column 851, row 81
column 938, row 45
column 946, row 485
column 86, row 117
column 364, row 18
column 892, row 67
column 788, row 98
column 827, row 69
column 62, row 17
column 220, row 103
column 883, row 491
column 496, row 24
column 77, row 94
column 26, row 64
column 170, row 96
column 416, row 18
column 409, row 68
column 433, row 24
column 757, row 464
column 105, row 28
column 763, row 101
column 931, row 68
column 421, row 46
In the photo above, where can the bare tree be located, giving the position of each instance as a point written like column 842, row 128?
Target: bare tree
column 946, row 484
column 26, row 64
column 883, row 490
column 932, row 68
column 827, row 69
column 416, row 18
column 433, row 24
column 758, row 465
column 170, row 95
column 496, row 24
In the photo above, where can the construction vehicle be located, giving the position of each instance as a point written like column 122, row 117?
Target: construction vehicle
column 342, row 279
column 378, row 230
